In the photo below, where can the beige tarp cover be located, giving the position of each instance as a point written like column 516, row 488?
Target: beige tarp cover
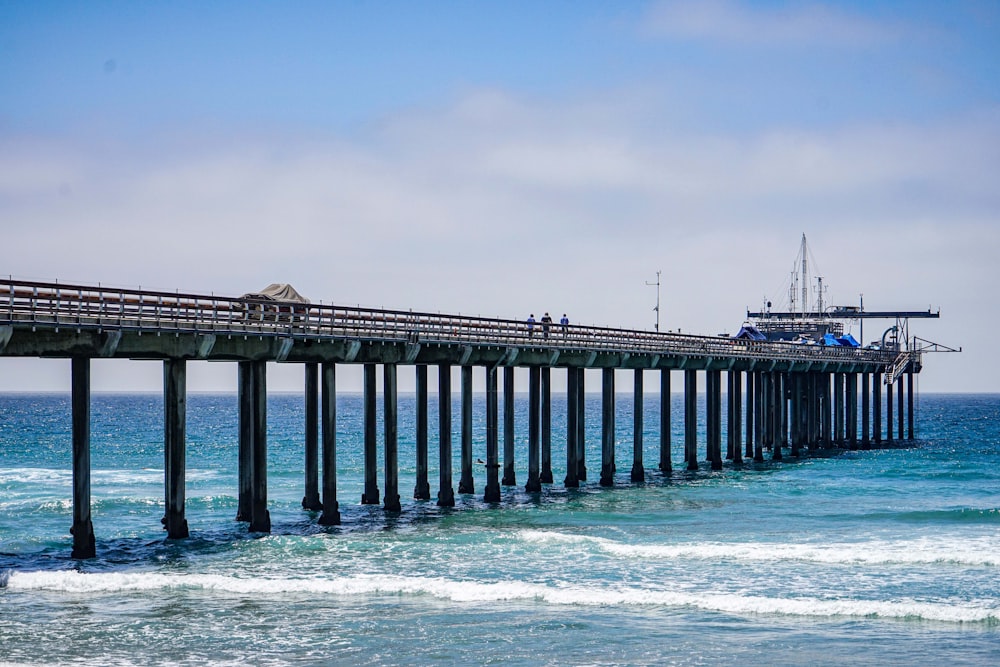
column 278, row 292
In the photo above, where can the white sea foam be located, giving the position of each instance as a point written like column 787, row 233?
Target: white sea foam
column 35, row 476
column 73, row 582
column 975, row 552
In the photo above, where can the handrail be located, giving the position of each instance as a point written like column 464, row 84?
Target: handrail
column 90, row 307
column 897, row 367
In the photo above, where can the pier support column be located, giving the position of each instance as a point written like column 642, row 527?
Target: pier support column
column 751, row 411
column 572, row 409
column 492, row 492
column 370, row 495
column 581, row 426
column 759, row 407
column 174, row 429
column 865, row 411
column 736, row 415
column 852, row 410
column 328, row 416
column 666, row 467
column 534, row 484
column 84, row 545
column 509, row 475
column 446, row 493
column 795, row 411
column 245, row 455
column 777, row 414
column 783, row 435
column 730, row 455
column 546, row 474
column 767, row 409
column 422, row 488
column 310, row 500
column 909, row 404
column 827, row 403
column 877, row 407
column 709, row 422
column 607, row 427
column 638, row 469
column 899, row 408
column 260, row 518
column 888, row 412
column 714, row 399
column 811, row 408
column 838, row 409
column 390, row 408
column 465, row 482
column 691, row 419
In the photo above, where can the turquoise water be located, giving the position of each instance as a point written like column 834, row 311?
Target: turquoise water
column 886, row 557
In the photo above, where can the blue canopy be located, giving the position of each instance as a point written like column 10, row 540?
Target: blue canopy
column 830, row 339
column 749, row 332
column 848, row 340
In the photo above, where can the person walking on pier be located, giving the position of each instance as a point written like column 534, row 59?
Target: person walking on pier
column 531, row 325
column 564, row 322
column 546, row 323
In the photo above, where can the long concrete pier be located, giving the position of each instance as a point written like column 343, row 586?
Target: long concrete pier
column 788, row 397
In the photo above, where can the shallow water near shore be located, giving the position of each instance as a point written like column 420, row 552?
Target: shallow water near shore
column 868, row 557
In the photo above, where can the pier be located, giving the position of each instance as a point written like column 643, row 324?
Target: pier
column 782, row 398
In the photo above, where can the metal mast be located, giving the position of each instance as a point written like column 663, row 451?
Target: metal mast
column 657, row 308
column 805, row 279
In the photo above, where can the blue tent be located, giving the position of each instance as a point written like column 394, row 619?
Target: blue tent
column 830, row 339
column 847, row 340
column 749, row 332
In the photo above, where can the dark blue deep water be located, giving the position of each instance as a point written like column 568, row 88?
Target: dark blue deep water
column 887, row 557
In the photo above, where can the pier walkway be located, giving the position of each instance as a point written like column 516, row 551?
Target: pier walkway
column 795, row 395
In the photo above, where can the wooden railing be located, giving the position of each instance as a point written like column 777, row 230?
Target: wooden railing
column 55, row 305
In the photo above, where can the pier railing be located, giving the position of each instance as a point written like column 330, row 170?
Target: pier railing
column 56, row 305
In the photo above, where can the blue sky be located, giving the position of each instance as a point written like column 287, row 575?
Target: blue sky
column 506, row 157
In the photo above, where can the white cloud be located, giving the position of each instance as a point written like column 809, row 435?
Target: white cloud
column 794, row 24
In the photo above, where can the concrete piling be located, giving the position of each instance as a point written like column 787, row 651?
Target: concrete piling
column 391, row 424
column 466, row 484
column 174, row 427
column 638, row 470
column 328, row 414
column 607, row 427
column 260, row 518
column 534, row 483
column 572, row 448
column 546, row 473
column 492, row 491
column 421, row 487
column 691, row 419
column 311, row 500
column 446, row 492
column 509, row 474
column 82, row 529
column 666, row 467
column 371, row 492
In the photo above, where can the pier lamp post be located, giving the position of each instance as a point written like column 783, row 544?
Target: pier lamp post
column 657, row 308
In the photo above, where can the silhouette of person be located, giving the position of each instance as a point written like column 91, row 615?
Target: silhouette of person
column 546, row 322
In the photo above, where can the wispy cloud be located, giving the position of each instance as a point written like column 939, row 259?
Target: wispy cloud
column 743, row 23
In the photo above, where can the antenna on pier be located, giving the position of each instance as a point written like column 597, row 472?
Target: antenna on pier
column 805, row 277
column 657, row 308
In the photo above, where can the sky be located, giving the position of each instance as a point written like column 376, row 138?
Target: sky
column 507, row 158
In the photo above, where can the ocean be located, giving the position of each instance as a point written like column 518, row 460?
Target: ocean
column 887, row 557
